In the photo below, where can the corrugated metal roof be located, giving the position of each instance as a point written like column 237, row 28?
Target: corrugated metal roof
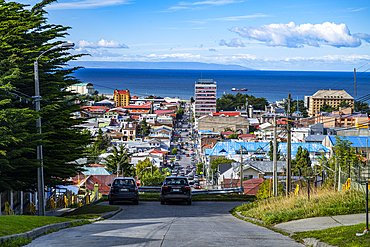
column 358, row 141
column 225, row 148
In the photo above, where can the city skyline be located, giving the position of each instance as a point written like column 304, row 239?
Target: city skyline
column 268, row 35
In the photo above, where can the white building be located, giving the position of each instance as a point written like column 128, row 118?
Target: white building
column 205, row 97
column 82, row 88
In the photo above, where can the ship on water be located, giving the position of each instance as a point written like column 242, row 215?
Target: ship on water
column 239, row 89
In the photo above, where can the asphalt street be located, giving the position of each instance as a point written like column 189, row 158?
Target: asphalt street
column 152, row 224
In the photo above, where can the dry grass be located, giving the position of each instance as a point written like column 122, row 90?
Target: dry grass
column 323, row 202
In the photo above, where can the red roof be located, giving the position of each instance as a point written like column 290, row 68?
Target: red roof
column 144, row 106
column 227, row 133
column 160, row 112
column 122, row 91
column 247, row 135
column 156, row 151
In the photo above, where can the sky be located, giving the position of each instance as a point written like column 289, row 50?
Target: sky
column 330, row 35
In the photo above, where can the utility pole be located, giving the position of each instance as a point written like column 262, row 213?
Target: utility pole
column 289, row 156
column 275, row 160
column 354, row 70
column 241, row 166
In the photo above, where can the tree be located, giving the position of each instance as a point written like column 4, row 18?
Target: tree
column 15, row 144
column 25, row 33
column 99, row 146
column 192, row 100
column 302, row 159
column 149, row 179
column 271, row 151
column 326, row 108
column 120, row 156
column 233, row 136
column 180, row 113
column 216, row 162
column 362, row 107
column 200, row 169
column 257, row 103
column 174, row 151
column 144, row 128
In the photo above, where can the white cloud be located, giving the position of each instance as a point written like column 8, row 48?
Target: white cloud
column 363, row 36
column 238, row 18
column 212, row 49
column 100, row 44
column 233, row 43
column 86, row 4
column 294, row 36
column 202, row 4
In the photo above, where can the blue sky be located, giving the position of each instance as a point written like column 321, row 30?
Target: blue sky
column 267, row 35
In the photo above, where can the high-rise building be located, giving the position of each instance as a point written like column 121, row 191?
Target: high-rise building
column 121, row 98
column 205, row 97
column 330, row 97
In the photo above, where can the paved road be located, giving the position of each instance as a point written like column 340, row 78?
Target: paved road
column 152, row 224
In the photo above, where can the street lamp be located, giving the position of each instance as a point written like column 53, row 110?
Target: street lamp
column 241, row 167
column 40, row 170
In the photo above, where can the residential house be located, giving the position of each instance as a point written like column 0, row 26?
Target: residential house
column 345, row 118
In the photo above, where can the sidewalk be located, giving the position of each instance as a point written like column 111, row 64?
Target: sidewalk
column 320, row 223
column 58, row 211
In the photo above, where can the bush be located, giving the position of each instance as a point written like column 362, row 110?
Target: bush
column 264, row 189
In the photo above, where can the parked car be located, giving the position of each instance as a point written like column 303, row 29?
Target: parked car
column 175, row 189
column 123, row 189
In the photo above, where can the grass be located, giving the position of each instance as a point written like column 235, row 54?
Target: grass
column 323, row 202
column 14, row 224
column 340, row 236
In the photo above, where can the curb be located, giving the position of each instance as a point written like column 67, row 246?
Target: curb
column 315, row 243
column 34, row 233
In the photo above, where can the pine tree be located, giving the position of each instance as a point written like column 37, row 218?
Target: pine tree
column 24, row 34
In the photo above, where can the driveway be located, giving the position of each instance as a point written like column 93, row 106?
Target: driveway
column 152, row 224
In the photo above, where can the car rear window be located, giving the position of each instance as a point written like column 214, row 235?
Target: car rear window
column 124, row 182
column 176, row 181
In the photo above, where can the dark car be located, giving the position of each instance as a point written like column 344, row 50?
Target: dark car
column 123, row 189
column 176, row 189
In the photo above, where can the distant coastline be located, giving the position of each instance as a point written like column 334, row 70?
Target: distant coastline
column 272, row 85
column 156, row 65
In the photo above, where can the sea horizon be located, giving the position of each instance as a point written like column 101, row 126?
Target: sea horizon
column 273, row 85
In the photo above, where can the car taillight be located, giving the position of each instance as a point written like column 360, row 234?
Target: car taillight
column 187, row 187
column 136, row 189
column 164, row 187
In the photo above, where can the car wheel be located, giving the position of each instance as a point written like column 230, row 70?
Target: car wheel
column 136, row 202
column 111, row 202
column 162, row 202
column 189, row 202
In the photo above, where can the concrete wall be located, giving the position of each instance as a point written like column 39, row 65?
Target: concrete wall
column 220, row 123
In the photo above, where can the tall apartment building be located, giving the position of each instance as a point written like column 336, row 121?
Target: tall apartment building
column 121, row 98
column 329, row 97
column 205, row 97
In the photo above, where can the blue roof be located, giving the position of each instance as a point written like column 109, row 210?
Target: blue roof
column 207, row 151
column 96, row 171
column 207, row 132
column 225, row 148
column 358, row 141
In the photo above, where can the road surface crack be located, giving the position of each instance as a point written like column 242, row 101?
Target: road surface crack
column 169, row 227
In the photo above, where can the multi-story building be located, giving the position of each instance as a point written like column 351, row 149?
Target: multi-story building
column 345, row 118
column 205, row 97
column 81, row 88
column 121, row 97
column 330, row 97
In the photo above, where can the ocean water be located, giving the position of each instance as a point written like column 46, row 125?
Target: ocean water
column 272, row 85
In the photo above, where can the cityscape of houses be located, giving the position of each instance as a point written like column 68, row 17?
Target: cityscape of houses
column 120, row 115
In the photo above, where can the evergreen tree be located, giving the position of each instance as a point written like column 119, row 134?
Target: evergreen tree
column 271, row 151
column 144, row 128
column 120, row 156
column 25, row 34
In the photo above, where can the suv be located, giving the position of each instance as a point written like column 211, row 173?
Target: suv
column 123, row 189
column 176, row 189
